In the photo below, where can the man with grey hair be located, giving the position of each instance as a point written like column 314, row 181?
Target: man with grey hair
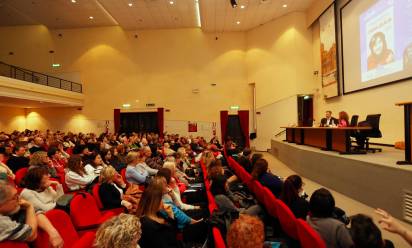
column 19, row 221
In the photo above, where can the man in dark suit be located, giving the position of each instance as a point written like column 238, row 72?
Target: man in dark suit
column 328, row 120
column 17, row 160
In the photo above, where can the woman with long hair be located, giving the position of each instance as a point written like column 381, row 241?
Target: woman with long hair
column 77, row 177
column 266, row 178
column 292, row 195
column 343, row 119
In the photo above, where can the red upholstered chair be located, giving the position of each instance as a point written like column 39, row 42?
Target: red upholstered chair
column 212, row 203
column 84, row 212
column 123, row 174
column 269, row 202
column 287, row 219
column 61, row 221
column 13, row 244
column 308, row 237
column 99, row 204
column 217, row 236
column 86, row 241
column 20, row 175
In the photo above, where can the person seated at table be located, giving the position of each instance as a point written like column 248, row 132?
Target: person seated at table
column 343, row 119
column 328, row 120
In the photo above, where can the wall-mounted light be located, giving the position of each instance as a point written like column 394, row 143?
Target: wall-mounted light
column 126, row 105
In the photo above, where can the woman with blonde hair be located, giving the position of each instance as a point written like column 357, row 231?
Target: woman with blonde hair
column 123, row 231
column 134, row 172
column 40, row 159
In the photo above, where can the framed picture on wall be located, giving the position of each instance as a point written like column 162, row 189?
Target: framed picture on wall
column 328, row 55
column 192, row 127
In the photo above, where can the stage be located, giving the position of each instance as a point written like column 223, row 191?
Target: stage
column 373, row 179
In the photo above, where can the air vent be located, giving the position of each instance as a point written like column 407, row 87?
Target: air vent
column 150, row 104
column 407, row 205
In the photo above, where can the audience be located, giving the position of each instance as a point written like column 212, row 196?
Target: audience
column 93, row 163
column 266, row 178
column 40, row 159
column 293, row 196
column 255, row 157
column 245, row 159
column 388, row 223
column 365, row 234
column 246, row 232
column 135, row 172
column 18, row 160
column 38, row 189
column 77, row 176
column 123, row 231
column 333, row 232
column 4, row 168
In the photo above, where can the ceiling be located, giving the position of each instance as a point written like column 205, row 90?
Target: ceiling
column 211, row 15
column 23, row 103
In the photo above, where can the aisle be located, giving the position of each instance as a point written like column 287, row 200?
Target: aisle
column 348, row 204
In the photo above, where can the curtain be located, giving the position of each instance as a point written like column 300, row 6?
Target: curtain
column 224, row 116
column 116, row 119
column 160, row 121
column 244, row 124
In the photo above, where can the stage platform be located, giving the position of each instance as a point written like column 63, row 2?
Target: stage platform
column 373, row 179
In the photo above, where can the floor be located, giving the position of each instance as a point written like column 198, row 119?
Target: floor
column 348, row 204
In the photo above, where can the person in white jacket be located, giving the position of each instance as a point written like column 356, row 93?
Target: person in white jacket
column 77, row 176
column 39, row 189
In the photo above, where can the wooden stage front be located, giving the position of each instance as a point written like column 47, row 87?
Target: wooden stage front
column 373, row 179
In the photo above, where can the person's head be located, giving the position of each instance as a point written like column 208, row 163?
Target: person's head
column 343, row 116
column 291, row 189
column 19, row 150
column 94, row 159
column 39, row 158
column 38, row 141
column 378, row 44
column 247, row 231
column 9, row 199
column 365, row 234
column 123, row 231
column 147, row 151
column 53, row 153
column 107, row 175
column 215, row 168
column 166, row 173
column 247, row 152
column 106, row 155
column 171, row 166
column 75, row 164
column 255, row 157
column 219, row 185
column 322, row 203
column 260, row 167
column 328, row 114
column 37, row 179
column 151, row 201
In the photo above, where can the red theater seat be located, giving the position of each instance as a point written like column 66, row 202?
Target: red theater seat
column 287, row 219
column 99, row 204
column 219, row 241
column 13, row 244
column 20, row 175
column 308, row 237
column 84, row 212
column 86, row 241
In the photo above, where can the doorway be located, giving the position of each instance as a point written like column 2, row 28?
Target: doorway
column 305, row 111
column 234, row 131
column 139, row 122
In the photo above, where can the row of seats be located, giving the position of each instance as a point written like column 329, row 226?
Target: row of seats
column 217, row 236
column 295, row 228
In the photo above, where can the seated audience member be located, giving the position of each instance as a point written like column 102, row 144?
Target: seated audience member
column 388, row 223
column 178, row 177
column 40, row 159
column 144, row 154
column 167, row 150
column 112, row 189
column 343, row 119
column 106, row 156
column 157, row 220
column 77, row 176
column 244, row 159
column 266, row 178
column 220, row 190
column 292, row 195
column 4, row 168
column 56, row 160
column 39, row 191
column 173, row 193
column 123, row 231
column 17, row 160
column 93, row 162
column 255, row 157
column 38, row 145
column 19, row 221
column 135, row 172
column 333, row 232
column 215, row 168
column 246, row 232
column 365, row 234
column 184, row 159
column 328, row 120
column 116, row 159
column 152, row 162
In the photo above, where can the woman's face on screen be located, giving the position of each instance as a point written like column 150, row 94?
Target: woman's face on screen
column 378, row 46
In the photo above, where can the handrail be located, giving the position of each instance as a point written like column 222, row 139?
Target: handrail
column 27, row 75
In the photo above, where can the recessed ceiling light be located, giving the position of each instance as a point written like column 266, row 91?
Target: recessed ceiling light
column 238, row 22
column 171, row 2
column 130, row 4
column 126, row 105
column 285, row 5
column 242, row 6
column 91, row 17
column 73, row 1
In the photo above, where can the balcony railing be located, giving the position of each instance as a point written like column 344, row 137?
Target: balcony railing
column 12, row 71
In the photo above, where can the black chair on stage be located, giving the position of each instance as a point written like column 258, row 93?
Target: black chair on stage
column 354, row 120
column 363, row 136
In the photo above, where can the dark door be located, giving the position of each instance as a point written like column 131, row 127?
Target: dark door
column 139, row 122
column 305, row 111
column 234, row 131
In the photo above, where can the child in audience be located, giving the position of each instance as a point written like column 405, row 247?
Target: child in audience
column 123, row 231
column 39, row 191
column 292, row 195
column 333, row 232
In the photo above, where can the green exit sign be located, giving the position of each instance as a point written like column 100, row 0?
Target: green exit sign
column 234, row 107
column 55, row 65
